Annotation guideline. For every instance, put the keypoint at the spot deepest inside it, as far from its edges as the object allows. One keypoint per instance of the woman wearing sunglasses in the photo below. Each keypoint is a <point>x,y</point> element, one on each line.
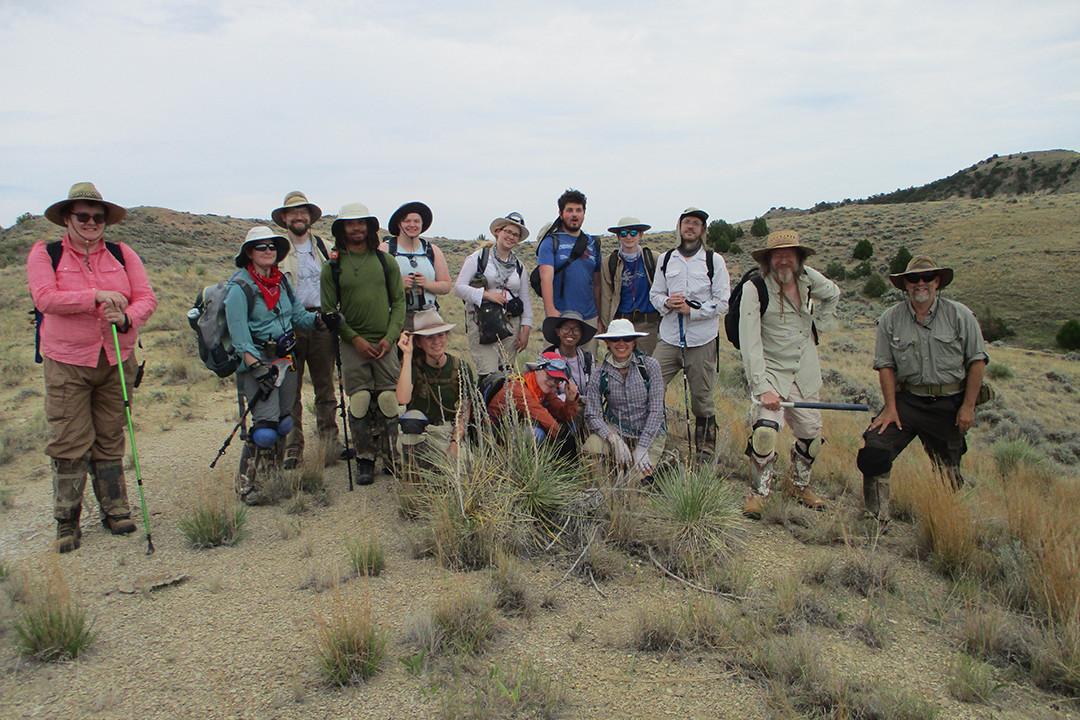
<point>625,278</point>
<point>82,287</point>
<point>261,312</point>
<point>423,267</point>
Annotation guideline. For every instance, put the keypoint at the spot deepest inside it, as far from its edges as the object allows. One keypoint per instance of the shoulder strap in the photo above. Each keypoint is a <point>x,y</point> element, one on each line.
<point>650,263</point>
<point>667,257</point>
<point>55,250</point>
<point>639,361</point>
<point>612,262</point>
<point>237,278</point>
<point>386,274</point>
<point>391,245</point>
<point>762,290</point>
<point>429,250</point>
<point>322,248</point>
<point>482,261</point>
<point>709,264</point>
<point>588,364</point>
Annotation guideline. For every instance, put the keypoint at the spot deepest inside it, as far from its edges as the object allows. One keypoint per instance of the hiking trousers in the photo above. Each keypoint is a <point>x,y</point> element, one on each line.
<point>84,408</point>
<point>700,373</point>
<point>315,351</point>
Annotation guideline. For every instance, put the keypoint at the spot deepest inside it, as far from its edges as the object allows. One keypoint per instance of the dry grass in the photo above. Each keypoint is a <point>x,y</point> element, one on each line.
<point>49,625</point>
<point>792,606</point>
<point>349,644</point>
<point>366,556</point>
<point>215,519</point>
<point>462,623</point>
<point>510,586</point>
<point>971,681</point>
<point>520,692</point>
<point>699,624</point>
<point>945,525</point>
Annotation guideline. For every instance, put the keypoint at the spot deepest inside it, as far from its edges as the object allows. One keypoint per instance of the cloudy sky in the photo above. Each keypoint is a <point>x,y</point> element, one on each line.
<point>479,108</point>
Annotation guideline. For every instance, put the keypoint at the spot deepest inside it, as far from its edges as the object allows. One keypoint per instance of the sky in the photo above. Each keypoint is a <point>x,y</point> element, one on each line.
<point>482,108</point>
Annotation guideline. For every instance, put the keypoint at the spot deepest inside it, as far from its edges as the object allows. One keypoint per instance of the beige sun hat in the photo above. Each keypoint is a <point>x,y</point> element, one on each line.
<point>255,234</point>
<point>629,223</point>
<point>356,211</point>
<point>782,239</point>
<point>921,264</point>
<point>295,199</point>
<point>620,328</point>
<point>514,219</point>
<point>57,212</point>
<point>430,322</point>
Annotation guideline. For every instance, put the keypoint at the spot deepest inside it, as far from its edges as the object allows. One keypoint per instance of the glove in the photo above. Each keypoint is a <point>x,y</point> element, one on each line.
<point>619,450</point>
<point>330,321</point>
<point>266,376</point>
<point>641,460</point>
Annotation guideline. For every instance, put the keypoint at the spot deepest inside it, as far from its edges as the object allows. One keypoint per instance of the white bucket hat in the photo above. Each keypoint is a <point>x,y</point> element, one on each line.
<point>620,328</point>
<point>254,235</point>
<point>356,211</point>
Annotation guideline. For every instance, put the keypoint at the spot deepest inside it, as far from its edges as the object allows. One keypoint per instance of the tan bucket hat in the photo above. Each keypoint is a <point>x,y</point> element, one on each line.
<point>254,235</point>
<point>630,223</point>
<point>782,239</point>
<point>84,191</point>
<point>356,211</point>
<point>430,322</point>
<point>295,199</point>
<point>923,264</point>
<point>514,219</point>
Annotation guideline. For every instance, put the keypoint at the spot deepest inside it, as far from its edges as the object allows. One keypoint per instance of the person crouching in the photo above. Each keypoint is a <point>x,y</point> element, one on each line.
<point>535,396</point>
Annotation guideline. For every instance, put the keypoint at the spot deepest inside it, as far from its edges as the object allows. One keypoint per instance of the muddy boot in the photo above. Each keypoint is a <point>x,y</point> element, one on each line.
<point>69,481</point>
<point>245,475</point>
<point>265,462</point>
<point>876,497</point>
<point>331,446</point>
<point>364,449</point>
<point>705,439</point>
<point>111,491</point>
<point>294,457</point>
<point>68,533</point>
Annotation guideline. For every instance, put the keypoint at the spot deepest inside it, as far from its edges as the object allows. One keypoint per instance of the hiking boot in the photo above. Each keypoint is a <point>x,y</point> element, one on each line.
<point>119,525</point>
<point>68,533</point>
<point>293,457</point>
<point>753,506</point>
<point>365,471</point>
<point>805,497</point>
<point>705,439</point>
<point>111,491</point>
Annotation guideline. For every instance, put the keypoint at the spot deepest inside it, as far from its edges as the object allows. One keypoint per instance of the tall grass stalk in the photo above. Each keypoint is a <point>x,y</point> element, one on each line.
<point>50,626</point>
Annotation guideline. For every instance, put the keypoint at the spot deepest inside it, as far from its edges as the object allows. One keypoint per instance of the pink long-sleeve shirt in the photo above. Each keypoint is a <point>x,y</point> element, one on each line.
<point>75,329</point>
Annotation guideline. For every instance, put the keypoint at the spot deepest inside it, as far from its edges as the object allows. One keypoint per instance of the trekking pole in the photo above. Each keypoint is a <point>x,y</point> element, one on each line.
<point>134,449</point>
<point>685,388</point>
<point>239,424</point>
<point>348,451</point>
<point>814,405</point>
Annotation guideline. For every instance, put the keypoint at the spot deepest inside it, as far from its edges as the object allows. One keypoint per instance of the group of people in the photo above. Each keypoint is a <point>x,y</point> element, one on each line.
<point>369,307</point>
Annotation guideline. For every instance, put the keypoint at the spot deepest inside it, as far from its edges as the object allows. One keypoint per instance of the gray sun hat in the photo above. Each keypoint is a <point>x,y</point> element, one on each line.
<point>295,199</point>
<point>629,223</point>
<point>551,327</point>
<point>356,211</point>
<point>254,235</point>
<point>86,191</point>
<point>782,239</point>
<point>921,264</point>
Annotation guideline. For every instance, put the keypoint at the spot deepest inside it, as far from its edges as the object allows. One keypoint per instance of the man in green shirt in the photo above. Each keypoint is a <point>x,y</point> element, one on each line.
<point>930,358</point>
<point>365,289</point>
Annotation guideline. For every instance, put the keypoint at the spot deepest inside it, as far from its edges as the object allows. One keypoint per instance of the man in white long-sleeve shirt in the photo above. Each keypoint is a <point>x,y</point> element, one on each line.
<point>690,290</point>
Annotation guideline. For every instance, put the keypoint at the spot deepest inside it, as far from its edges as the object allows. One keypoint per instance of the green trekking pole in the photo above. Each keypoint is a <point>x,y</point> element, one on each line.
<point>134,449</point>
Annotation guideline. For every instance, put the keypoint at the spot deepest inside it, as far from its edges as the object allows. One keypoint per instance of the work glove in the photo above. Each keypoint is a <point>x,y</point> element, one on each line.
<point>641,460</point>
<point>266,376</point>
<point>619,450</point>
<point>330,321</point>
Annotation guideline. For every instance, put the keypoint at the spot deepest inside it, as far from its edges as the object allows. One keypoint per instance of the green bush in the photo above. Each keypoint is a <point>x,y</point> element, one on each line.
<point>1068,337</point>
<point>874,287</point>
<point>759,228</point>
<point>863,269</point>
<point>721,235</point>
<point>350,647</point>
<point>835,270</point>
<point>1012,454</point>
<point>999,371</point>
<point>900,260</point>
<point>994,327</point>
<point>213,523</point>
<point>863,250</point>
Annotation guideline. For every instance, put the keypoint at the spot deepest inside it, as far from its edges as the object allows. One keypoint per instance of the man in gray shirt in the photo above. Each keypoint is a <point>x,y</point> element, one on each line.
<point>930,358</point>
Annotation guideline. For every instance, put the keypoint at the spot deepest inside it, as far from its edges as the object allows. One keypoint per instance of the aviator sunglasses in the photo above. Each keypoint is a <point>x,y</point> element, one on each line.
<point>85,217</point>
<point>926,277</point>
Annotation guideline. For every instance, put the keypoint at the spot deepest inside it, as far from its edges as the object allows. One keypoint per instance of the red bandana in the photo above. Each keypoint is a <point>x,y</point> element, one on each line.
<point>270,287</point>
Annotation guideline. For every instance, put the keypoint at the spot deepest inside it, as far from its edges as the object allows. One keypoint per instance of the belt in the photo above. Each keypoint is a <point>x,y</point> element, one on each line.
<point>933,391</point>
<point>638,316</point>
<point>314,309</point>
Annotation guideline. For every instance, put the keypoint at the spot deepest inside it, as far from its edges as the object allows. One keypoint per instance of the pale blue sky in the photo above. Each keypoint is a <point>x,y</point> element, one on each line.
<point>479,108</point>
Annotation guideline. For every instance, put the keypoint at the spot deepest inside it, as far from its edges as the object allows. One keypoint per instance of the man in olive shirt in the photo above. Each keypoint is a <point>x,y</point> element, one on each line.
<point>780,358</point>
<point>930,358</point>
<point>366,291</point>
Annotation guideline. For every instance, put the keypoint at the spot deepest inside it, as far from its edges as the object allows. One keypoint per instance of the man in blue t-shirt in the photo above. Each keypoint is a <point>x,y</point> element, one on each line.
<point>570,280</point>
<point>626,276</point>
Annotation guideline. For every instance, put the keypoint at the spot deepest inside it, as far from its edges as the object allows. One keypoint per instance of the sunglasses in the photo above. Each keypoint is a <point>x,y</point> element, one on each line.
<point>263,247</point>
<point>559,365</point>
<point>85,217</point>
<point>622,340</point>
<point>926,277</point>
<point>628,233</point>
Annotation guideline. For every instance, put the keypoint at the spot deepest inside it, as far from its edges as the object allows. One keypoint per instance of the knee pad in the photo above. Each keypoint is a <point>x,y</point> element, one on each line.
<point>285,425</point>
<point>873,461</point>
<point>762,440</point>
<point>388,404</point>
<point>265,436</point>
<point>539,433</point>
<point>359,404</point>
<point>809,448</point>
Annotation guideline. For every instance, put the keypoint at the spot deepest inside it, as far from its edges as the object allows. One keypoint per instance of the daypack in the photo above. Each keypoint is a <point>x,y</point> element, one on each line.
<point>709,267</point>
<point>731,320</point>
<point>646,255</point>
<point>581,244</point>
<point>207,318</point>
<point>335,275</point>
<point>428,248</point>
<point>490,385</point>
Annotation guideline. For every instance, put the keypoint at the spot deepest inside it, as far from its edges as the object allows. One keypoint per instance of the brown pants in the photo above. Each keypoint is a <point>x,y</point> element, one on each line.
<point>314,349</point>
<point>85,409</point>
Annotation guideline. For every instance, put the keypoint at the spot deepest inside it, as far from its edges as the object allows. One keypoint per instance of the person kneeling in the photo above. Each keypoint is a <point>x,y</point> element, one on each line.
<point>536,396</point>
<point>624,405</point>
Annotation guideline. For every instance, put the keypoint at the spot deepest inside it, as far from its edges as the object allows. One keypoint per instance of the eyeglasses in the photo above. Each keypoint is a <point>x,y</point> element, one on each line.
<point>926,277</point>
<point>628,233</point>
<point>85,217</point>
<point>622,340</point>
<point>558,365</point>
<point>263,247</point>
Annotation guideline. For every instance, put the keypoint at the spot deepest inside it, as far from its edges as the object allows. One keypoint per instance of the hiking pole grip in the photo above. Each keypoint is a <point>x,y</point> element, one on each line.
<point>131,436</point>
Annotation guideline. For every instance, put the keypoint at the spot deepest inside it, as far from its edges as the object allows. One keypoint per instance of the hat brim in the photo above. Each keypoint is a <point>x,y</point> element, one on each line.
<point>557,374</point>
<point>371,220</point>
<point>761,253</point>
<point>113,213</point>
<point>550,329</point>
<point>435,330</point>
<point>499,223</point>
<point>394,226</point>
<point>278,213</point>
<point>615,229</point>
<point>282,245</point>
<point>619,336</point>
<point>945,276</point>
<point>699,214</point>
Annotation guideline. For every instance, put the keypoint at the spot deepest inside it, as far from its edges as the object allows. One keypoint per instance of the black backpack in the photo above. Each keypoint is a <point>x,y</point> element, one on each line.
<point>482,261</point>
<point>731,320</point>
<point>428,248</point>
<point>581,244</point>
<point>646,255</point>
<point>709,263</point>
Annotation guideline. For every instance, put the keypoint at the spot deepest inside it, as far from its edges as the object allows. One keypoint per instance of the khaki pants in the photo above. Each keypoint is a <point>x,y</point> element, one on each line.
<point>374,376</point>
<point>804,422</point>
<point>700,373</point>
<point>489,358</point>
<point>84,408</point>
<point>315,350</point>
<point>597,446</point>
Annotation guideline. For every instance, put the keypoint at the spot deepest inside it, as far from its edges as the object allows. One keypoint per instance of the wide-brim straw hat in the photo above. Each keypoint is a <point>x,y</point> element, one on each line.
<point>356,211</point>
<point>254,235</point>
<point>57,212</point>
<point>921,264</point>
<point>551,327</point>
<point>429,322</point>
<point>514,219</point>
<point>629,223</point>
<point>782,239</point>
<point>694,212</point>
<point>394,226</point>
<point>620,328</point>
<point>295,199</point>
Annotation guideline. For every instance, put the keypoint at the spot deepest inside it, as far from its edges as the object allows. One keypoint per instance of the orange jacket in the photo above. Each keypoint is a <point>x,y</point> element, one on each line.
<point>545,410</point>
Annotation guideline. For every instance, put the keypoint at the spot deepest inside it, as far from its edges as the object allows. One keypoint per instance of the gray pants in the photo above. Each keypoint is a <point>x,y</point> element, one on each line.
<point>315,350</point>
<point>270,409</point>
<point>700,373</point>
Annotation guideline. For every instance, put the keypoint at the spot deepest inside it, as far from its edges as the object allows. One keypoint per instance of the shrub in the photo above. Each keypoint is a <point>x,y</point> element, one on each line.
<point>520,692</point>
<point>1011,454</point>
<point>972,681</point>
<point>994,327</point>
<point>217,519</point>
<point>24,218</point>
<point>793,606</point>
<point>701,624</point>
<point>835,270</point>
<point>863,269</point>
<point>51,627</point>
<point>511,588</point>
<point>350,646</point>
<point>366,557</point>
<point>999,371</point>
<point>899,261</point>
<point>1068,337</point>
<point>462,623</point>
<point>759,228</point>
<point>721,235</point>
<point>874,286</point>
<point>863,250</point>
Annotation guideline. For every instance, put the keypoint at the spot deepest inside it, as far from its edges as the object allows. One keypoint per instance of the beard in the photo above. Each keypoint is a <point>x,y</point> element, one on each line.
<point>785,275</point>
<point>920,295</point>
<point>299,227</point>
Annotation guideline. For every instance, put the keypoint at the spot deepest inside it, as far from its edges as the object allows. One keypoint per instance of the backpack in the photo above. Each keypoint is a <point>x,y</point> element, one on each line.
<point>708,263</point>
<point>490,385</point>
<point>428,248</point>
<point>207,318</point>
<point>55,250</point>
<point>335,275</point>
<point>646,255</point>
<point>731,320</point>
<point>581,244</point>
<point>639,363</point>
<point>482,261</point>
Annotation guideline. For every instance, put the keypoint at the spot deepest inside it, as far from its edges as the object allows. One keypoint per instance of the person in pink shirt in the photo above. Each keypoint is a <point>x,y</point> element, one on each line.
<point>82,285</point>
